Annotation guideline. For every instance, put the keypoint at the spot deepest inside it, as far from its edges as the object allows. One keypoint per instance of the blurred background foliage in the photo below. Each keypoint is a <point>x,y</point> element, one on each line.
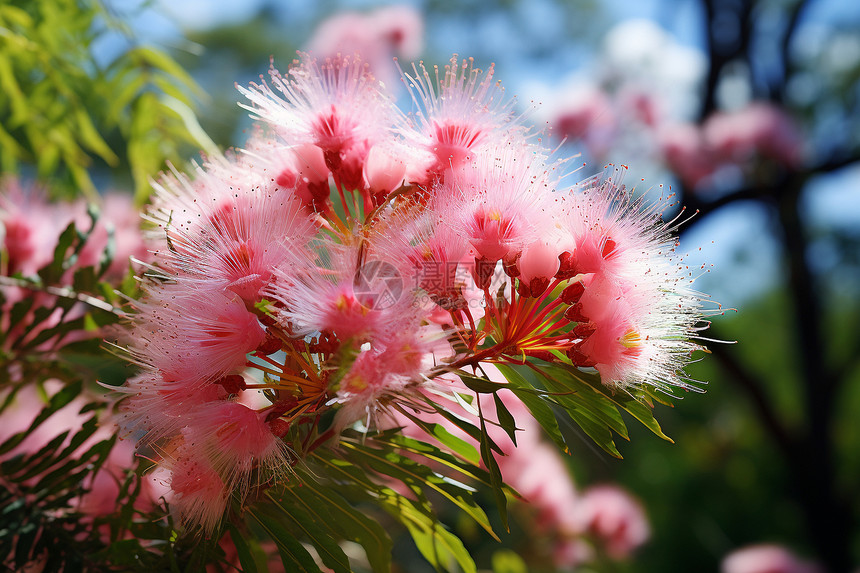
<point>771,453</point>
<point>71,110</point>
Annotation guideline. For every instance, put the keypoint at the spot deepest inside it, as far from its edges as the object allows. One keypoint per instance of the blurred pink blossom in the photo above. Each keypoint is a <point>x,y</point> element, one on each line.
<point>761,129</point>
<point>378,36</point>
<point>585,115</point>
<point>686,153</point>
<point>32,226</point>
<point>614,519</point>
<point>766,559</point>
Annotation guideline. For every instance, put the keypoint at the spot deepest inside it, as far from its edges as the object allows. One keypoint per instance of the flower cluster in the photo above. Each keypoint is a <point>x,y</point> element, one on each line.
<point>352,260</point>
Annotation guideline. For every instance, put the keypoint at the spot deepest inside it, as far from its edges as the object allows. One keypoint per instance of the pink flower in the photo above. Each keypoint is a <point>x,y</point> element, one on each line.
<point>633,302</point>
<point>456,115</point>
<point>336,106</point>
<point>235,440</point>
<point>355,296</point>
<point>499,202</point>
<point>229,240</point>
<point>192,335</point>
<point>377,36</point>
<point>364,387</point>
<point>198,494</point>
<point>687,153</point>
<point>766,559</point>
<point>613,519</point>
<point>159,405</point>
<point>426,252</point>
<point>760,128</point>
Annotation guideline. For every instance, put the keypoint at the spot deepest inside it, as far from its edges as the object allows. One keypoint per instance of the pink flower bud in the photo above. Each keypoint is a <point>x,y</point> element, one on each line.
<point>539,260</point>
<point>382,171</point>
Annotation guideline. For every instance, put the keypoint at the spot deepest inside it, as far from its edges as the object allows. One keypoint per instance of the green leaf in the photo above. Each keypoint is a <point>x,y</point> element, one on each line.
<point>438,545</point>
<point>160,60</point>
<point>314,528</point>
<point>294,556</point>
<point>466,426</point>
<point>52,272</point>
<point>345,519</point>
<point>246,559</point>
<point>495,473</point>
<point>460,447</point>
<point>479,384</point>
<point>415,475</point>
<point>19,311</point>
<point>505,419</point>
<point>506,561</point>
<point>90,137</point>
<point>473,472</point>
<point>537,405</point>
<point>636,406</point>
<point>592,411</point>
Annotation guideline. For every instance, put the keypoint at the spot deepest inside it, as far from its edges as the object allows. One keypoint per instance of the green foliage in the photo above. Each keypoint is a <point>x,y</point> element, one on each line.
<point>67,113</point>
<point>53,325</point>
<point>595,408</point>
<point>40,491</point>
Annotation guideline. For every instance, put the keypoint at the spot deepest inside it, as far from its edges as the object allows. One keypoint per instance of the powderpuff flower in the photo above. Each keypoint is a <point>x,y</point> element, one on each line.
<point>766,559</point>
<point>198,495</point>
<point>362,391</point>
<point>614,519</point>
<point>336,106</point>
<point>634,294</point>
<point>226,229</point>
<point>234,439</point>
<point>300,169</point>
<point>192,336</point>
<point>159,406</point>
<point>425,250</point>
<point>378,36</point>
<point>613,340</point>
<point>498,203</point>
<point>457,114</point>
<point>355,297</point>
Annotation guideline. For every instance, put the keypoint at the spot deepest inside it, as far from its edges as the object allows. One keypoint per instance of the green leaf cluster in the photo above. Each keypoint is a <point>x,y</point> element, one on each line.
<point>66,112</point>
<point>581,397</point>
